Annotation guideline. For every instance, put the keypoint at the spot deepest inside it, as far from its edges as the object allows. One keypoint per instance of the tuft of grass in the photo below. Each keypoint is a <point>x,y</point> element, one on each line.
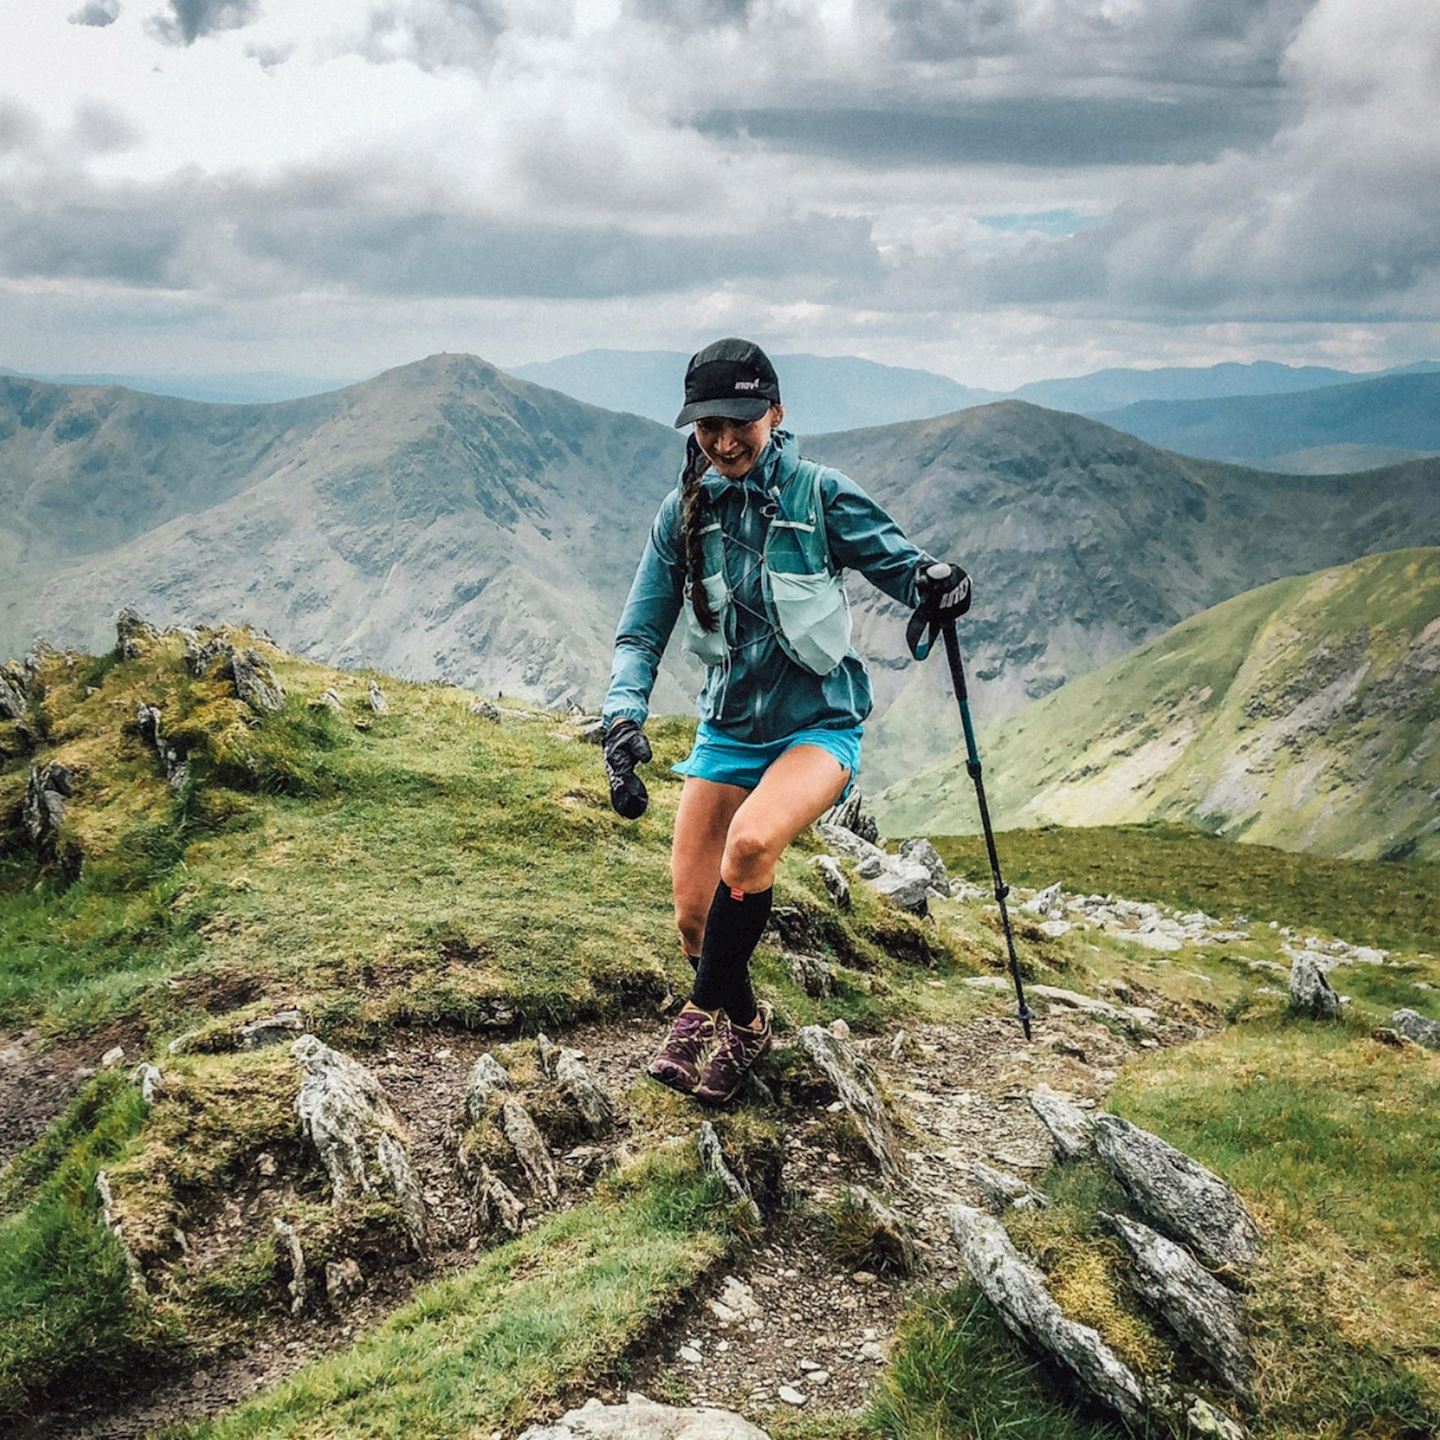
<point>72,1318</point>
<point>1367,902</point>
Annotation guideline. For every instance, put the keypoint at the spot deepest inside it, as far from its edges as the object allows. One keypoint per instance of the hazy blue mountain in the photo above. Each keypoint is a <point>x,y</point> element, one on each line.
<point>1105,391</point>
<point>1398,412</point>
<point>822,392</point>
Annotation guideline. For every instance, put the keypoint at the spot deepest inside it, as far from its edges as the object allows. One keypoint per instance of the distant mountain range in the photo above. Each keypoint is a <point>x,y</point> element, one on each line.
<point>1373,421</point>
<point>256,387</point>
<point>1304,714</point>
<point>448,520</point>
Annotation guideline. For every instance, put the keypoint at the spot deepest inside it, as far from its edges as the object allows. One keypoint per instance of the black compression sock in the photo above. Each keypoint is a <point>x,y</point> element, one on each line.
<point>732,931</point>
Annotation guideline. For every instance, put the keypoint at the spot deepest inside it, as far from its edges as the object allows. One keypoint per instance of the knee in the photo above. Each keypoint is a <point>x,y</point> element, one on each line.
<point>747,848</point>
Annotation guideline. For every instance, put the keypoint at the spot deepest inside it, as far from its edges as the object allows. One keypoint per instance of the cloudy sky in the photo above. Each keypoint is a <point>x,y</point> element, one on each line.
<point>1001,190</point>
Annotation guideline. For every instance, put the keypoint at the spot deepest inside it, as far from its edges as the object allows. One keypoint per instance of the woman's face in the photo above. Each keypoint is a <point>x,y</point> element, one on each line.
<point>733,446</point>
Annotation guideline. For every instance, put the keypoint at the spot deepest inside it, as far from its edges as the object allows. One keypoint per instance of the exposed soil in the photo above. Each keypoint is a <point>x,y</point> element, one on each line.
<point>823,1328</point>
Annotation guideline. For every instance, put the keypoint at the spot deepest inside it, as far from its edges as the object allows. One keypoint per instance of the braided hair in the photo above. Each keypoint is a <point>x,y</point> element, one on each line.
<point>692,503</point>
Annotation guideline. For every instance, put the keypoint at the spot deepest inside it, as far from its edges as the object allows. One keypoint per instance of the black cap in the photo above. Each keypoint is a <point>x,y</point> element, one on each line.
<point>731,379</point>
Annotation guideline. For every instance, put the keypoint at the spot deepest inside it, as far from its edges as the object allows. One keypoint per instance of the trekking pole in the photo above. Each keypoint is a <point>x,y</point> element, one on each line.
<point>920,644</point>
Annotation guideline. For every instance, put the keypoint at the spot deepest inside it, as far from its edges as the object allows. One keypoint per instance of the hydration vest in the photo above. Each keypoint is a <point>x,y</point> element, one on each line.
<point>803,594</point>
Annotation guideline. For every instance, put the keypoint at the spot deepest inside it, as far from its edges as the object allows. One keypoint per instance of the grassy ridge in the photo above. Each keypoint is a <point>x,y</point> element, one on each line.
<point>1365,902</point>
<point>1299,714</point>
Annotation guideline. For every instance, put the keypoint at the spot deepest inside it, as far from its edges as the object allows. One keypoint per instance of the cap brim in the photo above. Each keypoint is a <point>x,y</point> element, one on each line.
<point>740,408</point>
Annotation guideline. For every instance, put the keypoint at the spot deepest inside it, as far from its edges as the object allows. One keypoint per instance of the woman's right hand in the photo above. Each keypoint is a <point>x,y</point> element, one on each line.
<point>625,747</point>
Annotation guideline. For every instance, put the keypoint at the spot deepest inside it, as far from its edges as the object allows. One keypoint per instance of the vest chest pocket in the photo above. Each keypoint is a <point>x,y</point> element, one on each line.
<point>709,645</point>
<point>814,617</point>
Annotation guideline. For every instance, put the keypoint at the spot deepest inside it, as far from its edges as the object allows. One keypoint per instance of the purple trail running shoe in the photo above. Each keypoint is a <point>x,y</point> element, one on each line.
<point>677,1063</point>
<point>724,1072</point>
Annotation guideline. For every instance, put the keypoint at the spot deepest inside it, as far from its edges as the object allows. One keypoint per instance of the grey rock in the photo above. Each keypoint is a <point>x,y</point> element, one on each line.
<point>1137,1015</point>
<point>870,867</point>
<point>580,1088</point>
<point>484,710</point>
<point>811,974</point>
<point>891,1244</point>
<point>1178,1194</point>
<point>500,1208</point>
<point>1018,1291</point>
<point>845,841</point>
<point>712,1160</point>
<point>1204,1422</point>
<point>1311,993</point>
<point>642,1419</point>
<point>48,789</point>
<point>530,1149</point>
<point>922,852</point>
<point>591,730</point>
<point>13,692</point>
<point>133,636</point>
<point>271,1030</point>
<point>376,698</point>
<point>851,816</point>
<point>906,883</point>
<point>487,1081</point>
<point>299,1286</point>
<point>1044,901</point>
<point>1071,1129</point>
<point>150,1081</point>
<point>848,1075</point>
<point>1054,929</point>
<point>1414,1026</point>
<point>105,1198</point>
<point>255,681</point>
<point>327,700</point>
<point>834,878</point>
<point>343,1281</point>
<point>203,654</point>
<point>1206,1316</point>
<point>546,1052</point>
<point>1004,1191</point>
<point>345,1115</point>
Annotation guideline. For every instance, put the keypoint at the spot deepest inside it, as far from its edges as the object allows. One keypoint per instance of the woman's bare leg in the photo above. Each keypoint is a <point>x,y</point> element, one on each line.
<point>794,792</point>
<point>701,824</point>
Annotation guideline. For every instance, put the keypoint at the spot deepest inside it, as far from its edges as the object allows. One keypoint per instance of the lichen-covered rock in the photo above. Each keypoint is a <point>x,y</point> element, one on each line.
<point>889,1243</point>
<point>811,974</point>
<point>1311,993</point>
<point>327,700</point>
<point>270,1030</point>
<point>203,654</point>
<point>499,1207</point>
<point>919,850</point>
<point>846,1073</point>
<point>1018,1291</point>
<point>299,1286</point>
<point>1414,1026</point>
<point>484,710</point>
<point>530,1149</point>
<point>1207,1317</point>
<point>1004,1191</point>
<point>580,1088</point>
<point>1177,1193</point>
<point>712,1161</point>
<point>345,1115</point>
<point>850,815</point>
<point>343,1281</point>
<point>13,692</point>
<point>642,1419</point>
<point>834,878</point>
<point>49,788</point>
<point>255,681</point>
<point>1071,1129</point>
<point>376,697</point>
<point>1044,902</point>
<point>133,636</point>
<point>488,1080</point>
<point>150,1081</point>
<point>906,883</point>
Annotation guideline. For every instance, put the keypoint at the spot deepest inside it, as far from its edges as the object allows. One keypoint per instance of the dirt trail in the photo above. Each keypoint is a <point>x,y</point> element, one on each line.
<point>821,1329</point>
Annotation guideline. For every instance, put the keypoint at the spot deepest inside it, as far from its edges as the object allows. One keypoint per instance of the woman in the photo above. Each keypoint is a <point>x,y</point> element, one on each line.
<point>751,543</point>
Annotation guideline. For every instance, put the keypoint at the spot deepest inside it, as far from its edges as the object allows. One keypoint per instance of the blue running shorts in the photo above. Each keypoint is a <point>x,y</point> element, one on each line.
<point>717,757</point>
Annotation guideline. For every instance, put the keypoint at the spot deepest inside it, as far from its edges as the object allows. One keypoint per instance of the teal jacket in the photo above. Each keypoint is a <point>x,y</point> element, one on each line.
<point>759,694</point>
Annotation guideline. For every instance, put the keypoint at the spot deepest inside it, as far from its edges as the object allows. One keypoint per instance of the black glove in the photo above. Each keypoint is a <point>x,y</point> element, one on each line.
<point>943,592</point>
<point>625,748</point>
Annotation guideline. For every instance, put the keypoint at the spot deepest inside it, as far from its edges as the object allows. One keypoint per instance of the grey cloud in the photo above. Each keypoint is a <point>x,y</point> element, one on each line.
<point>434,34</point>
<point>102,129</point>
<point>321,228</point>
<point>97,12</point>
<point>190,19</point>
<point>267,57</point>
<point>692,14</point>
<point>19,126</point>
<point>1014,130</point>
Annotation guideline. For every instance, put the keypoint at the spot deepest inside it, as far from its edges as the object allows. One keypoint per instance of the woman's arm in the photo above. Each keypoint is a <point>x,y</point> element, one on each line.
<point>656,595</point>
<point>863,537</point>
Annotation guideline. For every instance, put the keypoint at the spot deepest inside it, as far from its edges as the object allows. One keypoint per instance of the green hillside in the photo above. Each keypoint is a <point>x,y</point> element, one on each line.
<point>1305,714</point>
<point>427,880</point>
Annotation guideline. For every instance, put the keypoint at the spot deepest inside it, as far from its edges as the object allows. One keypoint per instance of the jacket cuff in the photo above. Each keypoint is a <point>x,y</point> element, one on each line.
<point>609,718</point>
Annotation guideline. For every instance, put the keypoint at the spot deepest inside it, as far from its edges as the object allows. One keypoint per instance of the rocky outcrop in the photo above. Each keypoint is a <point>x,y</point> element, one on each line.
<point>1004,1191</point>
<point>642,1419</point>
<point>255,681</point>
<point>49,788</point>
<point>14,699</point>
<point>1178,1194</point>
<point>133,635</point>
<point>906,882</point>
<point>530,1149</point>
<point>375,697</point>
<point>289,1242</point>
<point>850,815</point>
<point>1414,1026</point>
<point>834,878</point>
<point>847,1075</point>
<point>1071,1129</point>
<point>920,851</point>
<point>1204,1315</point>
<point>714,1164</point>
<point>345,1116</point>
<point>1018,1291</point>
<point>270,1030</point>
<point>1311,994</point>
<point>1133,1015</point>
<point>487,1082</point>
<point>888,1242</point>
<point>148,721</point>
<point>811,974</point>
<point>580,1088</point>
